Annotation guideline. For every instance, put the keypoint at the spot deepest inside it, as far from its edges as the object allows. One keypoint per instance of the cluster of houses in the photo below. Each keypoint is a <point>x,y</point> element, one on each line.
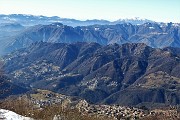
<point>49,99</point>
<point>113,111</point>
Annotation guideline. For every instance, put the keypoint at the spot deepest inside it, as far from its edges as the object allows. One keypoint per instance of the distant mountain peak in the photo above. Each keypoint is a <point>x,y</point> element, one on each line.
<point>134,21</point>
<point>29,20</point>
<point>133,18</point>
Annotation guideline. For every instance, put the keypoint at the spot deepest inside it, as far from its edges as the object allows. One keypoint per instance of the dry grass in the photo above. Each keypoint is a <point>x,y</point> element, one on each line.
<point>25,108</point>
<point>163,115</point>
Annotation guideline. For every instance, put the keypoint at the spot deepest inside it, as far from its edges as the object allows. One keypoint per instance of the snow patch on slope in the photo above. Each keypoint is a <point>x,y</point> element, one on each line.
<point>9,115</point>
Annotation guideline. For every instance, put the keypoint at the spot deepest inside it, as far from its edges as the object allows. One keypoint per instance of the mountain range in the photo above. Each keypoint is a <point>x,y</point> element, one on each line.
<point>130,62</point>
<point>31,20</point>
<point>156,35</point>
<point>128,74</point>
<point>11,26</point>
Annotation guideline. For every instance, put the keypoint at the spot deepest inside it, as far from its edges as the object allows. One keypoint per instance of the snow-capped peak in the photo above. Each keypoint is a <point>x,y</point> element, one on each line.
<point>134,18</point>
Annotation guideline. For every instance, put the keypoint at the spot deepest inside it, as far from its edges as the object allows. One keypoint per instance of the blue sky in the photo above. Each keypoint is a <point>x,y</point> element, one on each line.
<point>158,10</point>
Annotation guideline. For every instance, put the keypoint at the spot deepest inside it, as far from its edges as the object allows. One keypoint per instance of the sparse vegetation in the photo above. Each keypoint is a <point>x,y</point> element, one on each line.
<point>26,108</point>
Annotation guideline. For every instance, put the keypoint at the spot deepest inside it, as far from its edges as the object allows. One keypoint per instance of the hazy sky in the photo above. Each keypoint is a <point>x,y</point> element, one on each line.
<point>158,10</point>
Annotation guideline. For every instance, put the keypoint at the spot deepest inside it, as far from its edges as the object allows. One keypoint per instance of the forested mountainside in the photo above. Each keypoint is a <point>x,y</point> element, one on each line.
<point>127,74</point>
<point>7,88</point>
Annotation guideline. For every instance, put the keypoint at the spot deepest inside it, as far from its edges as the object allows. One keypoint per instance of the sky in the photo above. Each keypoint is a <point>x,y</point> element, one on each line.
<point>157,10</point>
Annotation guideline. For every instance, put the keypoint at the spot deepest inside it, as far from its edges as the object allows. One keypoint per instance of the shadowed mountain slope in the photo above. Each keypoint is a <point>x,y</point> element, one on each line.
<point>127,74</point>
